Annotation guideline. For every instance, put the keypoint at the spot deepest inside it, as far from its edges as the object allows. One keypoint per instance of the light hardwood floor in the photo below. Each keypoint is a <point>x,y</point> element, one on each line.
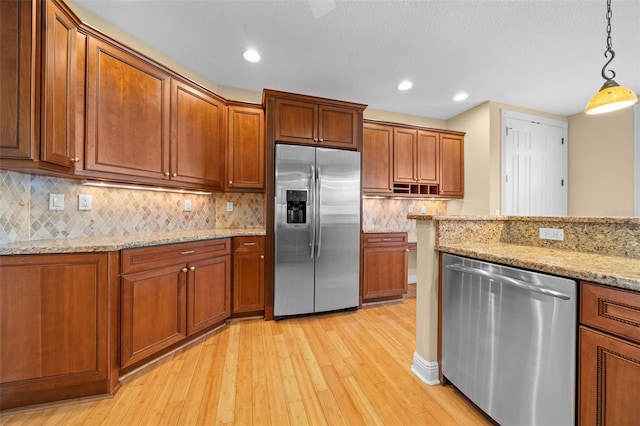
<point>345,368</point>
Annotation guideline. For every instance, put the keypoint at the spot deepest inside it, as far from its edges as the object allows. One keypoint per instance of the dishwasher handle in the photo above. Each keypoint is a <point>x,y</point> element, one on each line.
<point>509,281</point>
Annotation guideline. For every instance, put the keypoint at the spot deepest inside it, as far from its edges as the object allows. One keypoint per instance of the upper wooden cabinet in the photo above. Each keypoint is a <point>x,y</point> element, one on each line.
<point>127,115</point>
<point>143,126</point>
<point>37,122</point>
<point>198,136</point>
<point>451,165</point>
<point>245,147</point>
<point>423,162</point>
<point>306,120</point>
<point>377,159</point>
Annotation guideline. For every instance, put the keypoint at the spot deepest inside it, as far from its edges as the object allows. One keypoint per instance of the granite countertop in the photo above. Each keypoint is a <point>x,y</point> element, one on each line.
<point>119,242</point>
<point>615,271</point>
<point>561,219</point>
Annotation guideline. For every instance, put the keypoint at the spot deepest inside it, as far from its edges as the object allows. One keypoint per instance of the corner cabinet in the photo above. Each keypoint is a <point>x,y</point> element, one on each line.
<point>59,316</point>
<point>170,292</point>
<point>305,120</point>
<point>245,147</point>
<point>384,266</point>
<point>609,365</point>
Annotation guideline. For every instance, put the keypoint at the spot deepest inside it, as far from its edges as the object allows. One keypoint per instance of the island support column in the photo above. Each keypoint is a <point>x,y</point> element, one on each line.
<point>425,358</point>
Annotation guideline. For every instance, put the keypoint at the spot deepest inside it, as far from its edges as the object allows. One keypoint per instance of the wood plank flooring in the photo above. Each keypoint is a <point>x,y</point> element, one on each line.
<point>337,369</point>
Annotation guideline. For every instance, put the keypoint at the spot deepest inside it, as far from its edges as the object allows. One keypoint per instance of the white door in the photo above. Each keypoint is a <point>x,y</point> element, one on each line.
<point>534,165</point>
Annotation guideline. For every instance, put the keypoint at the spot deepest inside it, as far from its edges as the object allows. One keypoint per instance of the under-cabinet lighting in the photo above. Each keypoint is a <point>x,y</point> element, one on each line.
<point>141,187</point>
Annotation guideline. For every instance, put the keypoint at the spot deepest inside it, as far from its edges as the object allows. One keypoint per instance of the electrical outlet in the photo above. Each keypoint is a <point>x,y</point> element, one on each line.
<point>410,208</point>
<point>187,205</point>
<point>56,201</point>
<point>229,206</point>
<point>556,234</point>
<point>423,209</point>
<point>84,202</point>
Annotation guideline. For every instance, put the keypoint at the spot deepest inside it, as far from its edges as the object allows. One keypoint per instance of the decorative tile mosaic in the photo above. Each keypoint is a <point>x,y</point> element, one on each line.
<point>115,211</point>
<point>390,214</point>
<point>14,206</point>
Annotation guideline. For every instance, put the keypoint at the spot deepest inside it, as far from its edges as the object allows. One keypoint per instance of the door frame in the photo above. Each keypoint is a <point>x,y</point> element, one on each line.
<point>506,114</point>
<point>636,155</point>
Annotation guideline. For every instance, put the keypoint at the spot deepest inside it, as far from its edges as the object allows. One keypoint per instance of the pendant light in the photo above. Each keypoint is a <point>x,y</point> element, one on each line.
<point>611,96</point>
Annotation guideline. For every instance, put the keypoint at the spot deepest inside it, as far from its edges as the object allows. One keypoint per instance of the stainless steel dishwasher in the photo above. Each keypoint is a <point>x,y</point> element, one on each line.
<point>509,341</point>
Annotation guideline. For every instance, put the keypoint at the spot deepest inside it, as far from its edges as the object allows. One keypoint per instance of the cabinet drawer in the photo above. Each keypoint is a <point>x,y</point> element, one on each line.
<point>384,239</point>
<point>145,258</point>
<point>248,244</point>
<point>613,310</point>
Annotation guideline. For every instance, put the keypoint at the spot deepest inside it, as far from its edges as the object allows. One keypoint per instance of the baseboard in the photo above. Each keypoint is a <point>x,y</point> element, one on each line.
<point>426,371</point>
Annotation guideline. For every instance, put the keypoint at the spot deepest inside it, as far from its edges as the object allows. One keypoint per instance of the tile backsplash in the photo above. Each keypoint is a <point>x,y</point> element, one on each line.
<point>390,214</point>
<point>25,214</point>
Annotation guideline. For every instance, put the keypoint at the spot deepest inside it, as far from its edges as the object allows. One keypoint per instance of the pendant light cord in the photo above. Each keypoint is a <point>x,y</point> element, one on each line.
<point>608,51</point>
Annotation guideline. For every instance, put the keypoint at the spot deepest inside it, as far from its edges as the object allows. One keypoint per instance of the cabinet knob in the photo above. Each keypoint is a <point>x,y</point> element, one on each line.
<point>321,140</point>
<point>174,174</point>
<point>192,268</point>
<point>262,256</point>
<point>184,269</point>
<point>166,173</point>
<point>75,159</point>
<point>230,182</point>
<point>315,139</point>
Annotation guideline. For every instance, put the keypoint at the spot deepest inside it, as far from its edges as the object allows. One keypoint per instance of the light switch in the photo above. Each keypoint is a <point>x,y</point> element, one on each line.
<point>56,201</point>
<point>229,206</point>
<point>187,205</point>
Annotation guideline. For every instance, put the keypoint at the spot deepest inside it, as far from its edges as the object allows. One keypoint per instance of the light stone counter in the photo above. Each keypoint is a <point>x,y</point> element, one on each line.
<point>119,242</point>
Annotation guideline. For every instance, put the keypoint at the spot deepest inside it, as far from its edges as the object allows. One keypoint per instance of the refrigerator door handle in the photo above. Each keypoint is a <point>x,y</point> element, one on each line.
<point>318,218</point>
<point>312,225</point>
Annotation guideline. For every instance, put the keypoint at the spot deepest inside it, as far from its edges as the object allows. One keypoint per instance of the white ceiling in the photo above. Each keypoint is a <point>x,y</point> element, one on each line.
<point>543,55</point>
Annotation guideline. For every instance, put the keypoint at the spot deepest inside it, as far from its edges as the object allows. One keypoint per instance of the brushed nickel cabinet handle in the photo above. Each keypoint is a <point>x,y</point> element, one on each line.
<point>248,244</point>
<point>187,252</point>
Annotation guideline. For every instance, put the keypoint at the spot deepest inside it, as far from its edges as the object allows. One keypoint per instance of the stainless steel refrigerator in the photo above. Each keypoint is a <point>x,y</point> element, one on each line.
<point>317,230</point>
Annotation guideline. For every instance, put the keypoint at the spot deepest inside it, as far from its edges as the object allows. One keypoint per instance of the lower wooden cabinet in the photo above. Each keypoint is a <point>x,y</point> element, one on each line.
<point>609,372</point>
<point>170,292</point>
<point>58,327</point>
<point>248,275</point>
<point>384,265</point>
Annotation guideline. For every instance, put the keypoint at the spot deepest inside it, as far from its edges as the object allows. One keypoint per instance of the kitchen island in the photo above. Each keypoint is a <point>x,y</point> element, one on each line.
<point>601,253</point>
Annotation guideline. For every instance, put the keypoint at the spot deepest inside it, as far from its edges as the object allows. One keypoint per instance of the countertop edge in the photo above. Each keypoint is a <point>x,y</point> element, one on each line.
<point>121,242</point>
<point>563,219</point>
<point>554,263</point>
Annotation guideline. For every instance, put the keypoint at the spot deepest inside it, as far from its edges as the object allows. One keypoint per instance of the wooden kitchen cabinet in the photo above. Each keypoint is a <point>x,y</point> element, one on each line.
<point>39,98</point>
<point>245,148</point>
<point>609,365</point>
<point>248,275</point>
<point>127,116</point>
<point>199,136</point>
<point>416,156</point>
<point>377,159</point>
<point>306,120</point>
<point>384,266</point>
<point>170,292</point>
<point>58,333</point>
<point>451,165</point>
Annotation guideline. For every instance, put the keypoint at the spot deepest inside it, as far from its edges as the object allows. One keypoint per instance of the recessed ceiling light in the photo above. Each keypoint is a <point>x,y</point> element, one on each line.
<point>251,55</point>
<point>460,97</point>
<point>405,85</point>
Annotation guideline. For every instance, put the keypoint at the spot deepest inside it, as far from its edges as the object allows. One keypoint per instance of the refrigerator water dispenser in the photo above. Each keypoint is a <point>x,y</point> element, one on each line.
<point>296,206</point>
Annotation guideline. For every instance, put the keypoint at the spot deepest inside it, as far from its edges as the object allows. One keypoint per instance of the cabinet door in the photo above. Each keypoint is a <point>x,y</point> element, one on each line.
<point>609,380</point>
<point>296,122</point>
<point>377,159</point>
<point>404,155</point>
<point>248,282</point>
<point>54,333</point>
<point>451,165</point>
<point>246,149</point>
<point>153,311</point>
<point>58,90</point>
<point>428,153</point>
<point>127,114</point>
<point>337,127</point>
<point>209,293</point>
<point>18,69</point>
<point>385,272</point>
<point>199,136</point>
